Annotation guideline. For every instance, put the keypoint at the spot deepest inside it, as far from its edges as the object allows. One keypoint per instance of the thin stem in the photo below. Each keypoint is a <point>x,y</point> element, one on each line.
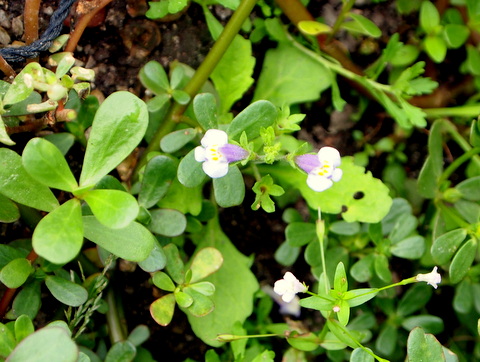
<point>455,164</point>
<point>202,74</point>
<point>338,22</point>
<point>30,20</point>
<point>320,228</point>
<point>82,24</point>
<point>115,326</point>
<point>6,68</point>
<point>469,110</point>
<point>459,139</point>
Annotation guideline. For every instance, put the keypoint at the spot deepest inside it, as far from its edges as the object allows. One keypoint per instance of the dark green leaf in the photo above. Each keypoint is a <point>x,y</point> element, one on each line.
<point>229,190</point>
<point>167,222</point>
<point>205,109</point>
<point>66,291</point>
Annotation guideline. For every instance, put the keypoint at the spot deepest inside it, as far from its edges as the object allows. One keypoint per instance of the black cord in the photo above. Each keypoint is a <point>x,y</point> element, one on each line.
<point>33,50</point>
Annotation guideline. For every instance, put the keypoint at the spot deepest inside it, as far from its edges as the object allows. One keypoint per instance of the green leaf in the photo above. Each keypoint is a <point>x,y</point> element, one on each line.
<point>436,48</point>
<point>63,141</point>
<point>205,109</point>
<point>157,178</point>
<point>156,260</point>
<point>28,300</point>
<point>123,351</point>
<point>113,208</point>
<point>180,96</point>
<point>58,237</point>
<point>462,261</point>
<point>414,299</point>
<point>423,347</point>
<point>174,141</point>
<point>175,265</point>
<point>183,299</point>
<point>206,261</point>
<point>429,323</point>
<point>470,188</point>
<point>119,126</point>
<point>286,254</point>
<point>162,309</point>
<point>361,25</point>
<point>311,27</point>
<point>19,186</point>
<point>381,268</point>
<point>230,307</point>
<point>133,242</point>
<point>8,210</point>
<point>409,248</point>
<point>456,35</point>
<point>201,306</point>
<point>184,199</point>
<point>139,335</point>
<point>345,228</point>
<point>22,85</point>
<point>46,164</point>
<point>429,17</point>
<point>66,291</point>
<point>433,166</point>
<point>342,333</point>
<point>4,137</point>
<point>300,233</point>
<point>46,344</point>
<point>263,190</point>
<point>290,76</point>
<point>257,115</point>
<point>15,273</point>
<point>190,172</point>
<point>7,341</point>
<point>362,270</point>
<point>387,339</point>
<point>163,281</point>
<point>154,77</point>
<point>23,327</point>
<point>232,76</point>
<point>229,190</point>
<point>359,355</point>
<point>446,245</point>
<point>303,342</point>
<point>357,297</point>
<point>167,222</point>
<point>324,304</point>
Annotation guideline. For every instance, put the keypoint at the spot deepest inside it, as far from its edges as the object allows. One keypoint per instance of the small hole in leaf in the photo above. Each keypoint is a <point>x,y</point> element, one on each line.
<point>344,208</point>
<point>358,195</point>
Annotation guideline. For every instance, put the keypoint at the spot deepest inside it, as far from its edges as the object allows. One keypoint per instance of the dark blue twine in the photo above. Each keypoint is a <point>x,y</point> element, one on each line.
<point>18,54</point>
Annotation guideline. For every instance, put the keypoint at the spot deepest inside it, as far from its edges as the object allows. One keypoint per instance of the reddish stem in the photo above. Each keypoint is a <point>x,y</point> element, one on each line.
<point>30,20</point>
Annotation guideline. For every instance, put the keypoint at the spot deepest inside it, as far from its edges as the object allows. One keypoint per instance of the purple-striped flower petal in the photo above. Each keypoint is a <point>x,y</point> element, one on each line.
<point>321,168</point>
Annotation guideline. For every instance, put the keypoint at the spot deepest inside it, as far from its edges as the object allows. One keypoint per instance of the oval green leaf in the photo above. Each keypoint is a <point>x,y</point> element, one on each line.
<point>66,291</point>
<point>8,210</point>
<point>190,172</point>
<point>15,273</point>
<point>174,141</point>
<point>446,245</point>
<point>167,222</point>
<point>113,208</point>
<point>257,115</point>
<point>462,261</point>
<point>157,178</point>
<point>205,109</point>
<point>19,186</point>
<point>162,309</point>
<point>46,164</point>
<point>163,281</point>
<point>133,242</point>
<point>207,261</point>
<point>118,127</point>
<point>58,237</point>
<point>229,190</point>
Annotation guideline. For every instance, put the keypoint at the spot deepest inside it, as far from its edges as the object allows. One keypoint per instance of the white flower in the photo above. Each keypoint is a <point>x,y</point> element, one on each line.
<point>433,278</point>
<point>321,168</point>
<point>292,308</point>
<point>288,287</point>
<point>216,153</point>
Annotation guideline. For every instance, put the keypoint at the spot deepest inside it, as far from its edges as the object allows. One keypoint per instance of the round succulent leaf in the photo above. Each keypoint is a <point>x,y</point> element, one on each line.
<point>133,242</point>
<point>175,140</point>
<point>46,164</point>
<point>66,291</point>
<point>163,281</point>
<point>205,262</point>
<point>436,48</point>
<point>19,186</point>
<point>158,102</point>
<point>23,327</point>
<point>139,335</point>
<point>8,210</point>
<point>430,323</point>
<point>412,247</point>
<point>229,190</point>
<point>15,273</point>
<point>201,306</point>
<point>162,309</point>
<point>462,261</point>
<point>58,237</point>
<point>156,260</point>
<point>34,347</point>
<point>22,85</point>
<point>184,300</point>
<point>167,222</point>
<point>206,288</point>
<point>118,127</point>
<point>429,17</point>
<point>175,266</point>
<point>257,115</point>
<point>157,178</point>
<point>190,172</point>
<point>456,35</point>
<point>446,245</point>
<point>113,208</point>
<point>181,97</point>
<point>205,109</point>
<point>154,77</point>
<point>121,351</point>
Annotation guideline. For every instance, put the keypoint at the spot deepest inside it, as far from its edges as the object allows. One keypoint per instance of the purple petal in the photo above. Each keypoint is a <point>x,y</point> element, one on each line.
<point>233,153</point>
<point>308,162</point>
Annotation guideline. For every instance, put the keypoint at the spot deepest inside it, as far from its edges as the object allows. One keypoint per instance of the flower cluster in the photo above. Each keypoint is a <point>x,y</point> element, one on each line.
<point>321,168</point>
<point>216,153</point>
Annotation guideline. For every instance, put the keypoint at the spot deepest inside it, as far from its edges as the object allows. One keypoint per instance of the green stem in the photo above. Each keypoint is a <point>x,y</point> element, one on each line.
<point>470,110</point>
<point>202,74</point>
<point>115,327</point>
<point>320,228</point>
<point>338,22</point>
<point>459,139</point>
<point>455,164</point>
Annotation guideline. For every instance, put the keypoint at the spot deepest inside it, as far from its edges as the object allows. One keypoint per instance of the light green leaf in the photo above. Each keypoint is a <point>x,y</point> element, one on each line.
<point>446,245</point>
<point>429,17</point>
<point>22,85</point>
<point>436,48</point>
<point>113,208</point>
<point>23,327</point>
<point>206,261</point>
<point>154,77</point>
<point>361,25</point>
<point>456,35</point>
<point>66,291</point>
<point>174,141</point>
<point>8,210</point>
<point>184,199</point>
<point>123,351</point>
<point>190,172</point>
<point>423,347</point>
<point>118,127</point>
<point>205,109</point>
<point>229,190</point>
<point>409,248</point>
<point>163,281</point>
<point>201,306</point>
<point>46,344</point>
<point>167,222</point>
<point>46,164</point>
<point>235,286</point>
<point>19,186</point>
<point>133,242</point>
<point>433,166</point>
<point>58,237</point>
<point>257,115</point>
<point>290,76</point>
<point>4,137</point>
<point>162,309</point>
<point>156,260</point>
<point>15,273</point>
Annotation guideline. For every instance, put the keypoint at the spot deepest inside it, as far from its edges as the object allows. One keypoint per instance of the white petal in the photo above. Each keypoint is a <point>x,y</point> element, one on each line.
<point>337,175</point>
<point>215,169</point>
<point>200,154</point>
<point>329,154</point>
<point>318,183</point>
<point>290,277</point>
<point>288,297</point>
<point>214,137</point>
<point>280,287</point>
